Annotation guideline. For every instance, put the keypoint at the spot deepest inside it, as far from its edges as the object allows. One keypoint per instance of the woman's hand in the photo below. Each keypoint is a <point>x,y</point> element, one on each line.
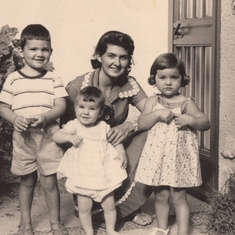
<point>118,133</point>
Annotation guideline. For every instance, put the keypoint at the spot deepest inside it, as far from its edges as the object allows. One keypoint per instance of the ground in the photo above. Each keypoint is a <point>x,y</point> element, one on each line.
<point>10,214</point>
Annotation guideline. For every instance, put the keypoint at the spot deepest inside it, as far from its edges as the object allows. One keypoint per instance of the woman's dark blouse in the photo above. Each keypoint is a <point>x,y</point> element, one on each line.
<point>126,91</point>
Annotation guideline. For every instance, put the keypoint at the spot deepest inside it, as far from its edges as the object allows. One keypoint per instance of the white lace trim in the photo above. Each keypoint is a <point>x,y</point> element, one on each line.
<point>85,83</point>
<point>125,94</point>
<point>126,195</point>
<point>135,89</point>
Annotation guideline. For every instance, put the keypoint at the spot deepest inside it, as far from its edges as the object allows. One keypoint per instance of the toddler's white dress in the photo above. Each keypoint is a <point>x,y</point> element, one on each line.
<point>93,165</point>
<point>170,156</point>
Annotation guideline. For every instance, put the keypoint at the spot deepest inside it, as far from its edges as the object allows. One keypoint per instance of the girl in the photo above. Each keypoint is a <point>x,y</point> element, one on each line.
<point>169,161</point>
<point>93,167</point>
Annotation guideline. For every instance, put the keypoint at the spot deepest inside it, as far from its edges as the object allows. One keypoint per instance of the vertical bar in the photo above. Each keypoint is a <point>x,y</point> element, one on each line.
<point>204,8</point>
<point>196,75</point>
<point>183,7</point>
<point>172,13</point>
<point>209,7</point>
<point>192,75</point>
<point>199,8</point>
<point>176,9</point>
<point>183,56</point>
<point>192,72</point>
<point>202,91</point>
<point>207,93</point>
<point>194,9</point>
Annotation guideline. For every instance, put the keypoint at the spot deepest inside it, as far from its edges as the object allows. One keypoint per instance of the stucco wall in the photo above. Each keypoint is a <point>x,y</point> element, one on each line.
<point>227,94</point>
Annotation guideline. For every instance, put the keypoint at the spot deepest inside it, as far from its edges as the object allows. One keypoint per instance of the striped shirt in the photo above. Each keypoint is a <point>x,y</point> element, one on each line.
<point>29,96</point>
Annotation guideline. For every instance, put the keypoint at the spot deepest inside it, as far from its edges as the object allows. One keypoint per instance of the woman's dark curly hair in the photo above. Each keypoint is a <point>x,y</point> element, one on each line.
<point>168,61</point>
<point>114,38</point>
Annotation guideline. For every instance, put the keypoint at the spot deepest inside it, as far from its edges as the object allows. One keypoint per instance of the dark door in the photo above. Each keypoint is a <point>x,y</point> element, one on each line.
<point>193,36</point>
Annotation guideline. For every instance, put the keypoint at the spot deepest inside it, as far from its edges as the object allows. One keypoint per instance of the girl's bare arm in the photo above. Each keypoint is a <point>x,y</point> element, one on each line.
<point>195,118</point>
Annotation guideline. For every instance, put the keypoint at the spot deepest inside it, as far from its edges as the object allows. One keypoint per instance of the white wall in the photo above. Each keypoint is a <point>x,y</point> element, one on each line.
<point>76,26</point>
<point>227,94</point>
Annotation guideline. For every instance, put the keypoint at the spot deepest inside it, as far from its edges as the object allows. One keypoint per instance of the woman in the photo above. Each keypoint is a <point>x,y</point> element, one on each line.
<point>112,64</point>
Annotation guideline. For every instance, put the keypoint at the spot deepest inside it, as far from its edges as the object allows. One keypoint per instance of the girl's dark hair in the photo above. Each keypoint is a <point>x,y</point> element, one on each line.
<point>91,94</point>
<point>34,31</point>
<point>168,61</point>
<point>114,38</point>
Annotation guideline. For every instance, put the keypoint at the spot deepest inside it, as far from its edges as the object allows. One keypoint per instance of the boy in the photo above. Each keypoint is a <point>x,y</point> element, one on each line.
<point>32,99</point>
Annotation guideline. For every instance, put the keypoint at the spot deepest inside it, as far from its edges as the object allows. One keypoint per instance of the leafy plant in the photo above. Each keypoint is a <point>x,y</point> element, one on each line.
<point>10,61</point>
<point>222,209</point>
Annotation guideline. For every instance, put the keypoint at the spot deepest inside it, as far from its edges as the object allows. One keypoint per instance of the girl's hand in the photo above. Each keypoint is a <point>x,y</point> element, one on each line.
<point>122,157</point>
<point>166,115</point>
<point>182,120</point>
<point>118,133</point>
<point>20,123</point>
<point>76,140</point>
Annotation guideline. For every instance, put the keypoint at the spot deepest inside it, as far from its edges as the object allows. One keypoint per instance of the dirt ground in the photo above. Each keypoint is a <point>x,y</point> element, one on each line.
<point>10,214</point>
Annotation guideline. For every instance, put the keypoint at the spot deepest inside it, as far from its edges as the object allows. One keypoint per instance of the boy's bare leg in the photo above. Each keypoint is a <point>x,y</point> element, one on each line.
<point>84,207</point>
<point>27,185</point>
<point>52,196</point>
<point>110,213</point>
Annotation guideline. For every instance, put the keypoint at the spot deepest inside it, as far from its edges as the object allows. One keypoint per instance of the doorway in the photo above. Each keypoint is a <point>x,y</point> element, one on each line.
<point>194,36</point>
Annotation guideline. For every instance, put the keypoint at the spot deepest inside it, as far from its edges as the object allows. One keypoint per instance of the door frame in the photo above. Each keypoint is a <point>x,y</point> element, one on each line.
<point>215,100</point>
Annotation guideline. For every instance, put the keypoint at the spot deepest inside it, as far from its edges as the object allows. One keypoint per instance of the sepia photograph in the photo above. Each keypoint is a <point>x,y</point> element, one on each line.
<point>117,117</point>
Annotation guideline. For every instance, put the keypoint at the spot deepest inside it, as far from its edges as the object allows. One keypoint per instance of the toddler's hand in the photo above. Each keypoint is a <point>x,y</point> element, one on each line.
<point>20,123</point>
<point>182,120</point>
<point>166,115</point>
<point>123,159</point>
<point>75,140</point>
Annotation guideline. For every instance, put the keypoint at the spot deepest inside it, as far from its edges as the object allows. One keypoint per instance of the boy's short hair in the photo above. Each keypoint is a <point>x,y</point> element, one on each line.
<point>34,31</point>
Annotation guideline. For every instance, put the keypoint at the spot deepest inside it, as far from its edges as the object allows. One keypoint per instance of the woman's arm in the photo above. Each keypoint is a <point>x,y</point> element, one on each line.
<point>118,133</point>
<point>140,105</point>
<point>195,118</point>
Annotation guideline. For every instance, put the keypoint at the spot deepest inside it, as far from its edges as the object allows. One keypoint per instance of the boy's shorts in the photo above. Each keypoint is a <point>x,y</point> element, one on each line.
<point>33,150</point>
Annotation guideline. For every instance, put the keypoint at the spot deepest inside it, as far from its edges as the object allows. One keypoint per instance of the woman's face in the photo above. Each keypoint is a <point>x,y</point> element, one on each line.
<point>115,61</point>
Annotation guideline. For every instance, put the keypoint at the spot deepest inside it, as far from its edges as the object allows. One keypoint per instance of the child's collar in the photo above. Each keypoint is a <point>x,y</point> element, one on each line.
<point>37,76</point>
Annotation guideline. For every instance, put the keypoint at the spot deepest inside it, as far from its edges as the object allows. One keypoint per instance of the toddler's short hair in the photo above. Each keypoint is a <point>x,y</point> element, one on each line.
<point>91,94</point>
<point>34,31</point>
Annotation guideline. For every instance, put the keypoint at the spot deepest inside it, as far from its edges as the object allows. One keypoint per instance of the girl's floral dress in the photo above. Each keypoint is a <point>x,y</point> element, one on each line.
<point>170,156</point>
